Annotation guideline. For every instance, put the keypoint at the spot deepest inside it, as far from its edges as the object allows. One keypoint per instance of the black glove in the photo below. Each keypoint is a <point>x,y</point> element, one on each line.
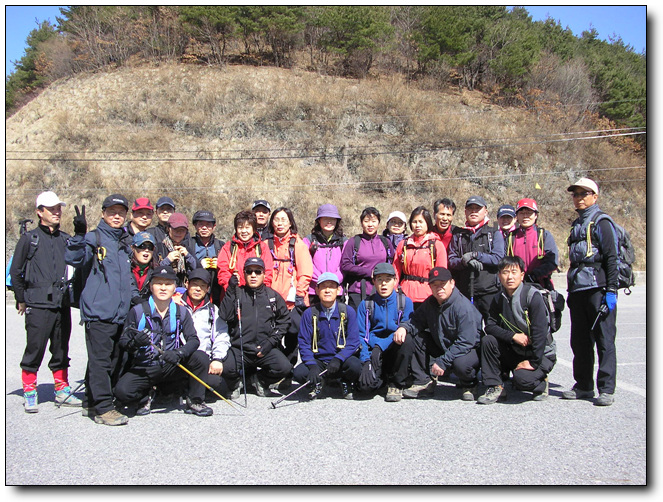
<point>334,366</point>
<point>469,256</point>
<point>265,347</point>
<point>475,265</point>
<point>314,375</point>
<point>368,379</point>
<point>138,339</point>
<point>173,356</point>
<point>80,224</point>
<point>233,282</point>
<point>299,303</point>
<point>376,359</point>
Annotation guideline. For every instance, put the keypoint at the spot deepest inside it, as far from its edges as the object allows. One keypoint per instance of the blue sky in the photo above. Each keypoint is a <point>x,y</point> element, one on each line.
<point>625,21</point>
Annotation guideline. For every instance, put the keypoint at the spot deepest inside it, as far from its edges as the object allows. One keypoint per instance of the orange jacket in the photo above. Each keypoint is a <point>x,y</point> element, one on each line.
<point>413,262</point>
<point>227,264</point>
<point>287,274</point>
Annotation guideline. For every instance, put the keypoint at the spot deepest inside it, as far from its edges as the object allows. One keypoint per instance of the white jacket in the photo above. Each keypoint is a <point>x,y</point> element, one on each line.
<point>212,331</point>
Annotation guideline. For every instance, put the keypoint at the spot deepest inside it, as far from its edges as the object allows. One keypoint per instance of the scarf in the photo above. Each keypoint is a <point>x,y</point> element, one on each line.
<point>179,266</point>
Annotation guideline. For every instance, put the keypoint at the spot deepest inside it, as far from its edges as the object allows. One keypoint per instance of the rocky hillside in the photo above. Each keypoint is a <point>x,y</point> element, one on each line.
<point>218,138</point>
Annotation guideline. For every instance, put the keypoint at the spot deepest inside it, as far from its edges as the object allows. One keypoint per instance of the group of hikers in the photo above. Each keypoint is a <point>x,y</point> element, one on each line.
<point>171,313</point>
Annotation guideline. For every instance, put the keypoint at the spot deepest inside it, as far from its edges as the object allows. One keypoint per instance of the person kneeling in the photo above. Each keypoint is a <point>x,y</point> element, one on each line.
<point>161,338</point>
<point>517,337</point>
<point>328,340</point>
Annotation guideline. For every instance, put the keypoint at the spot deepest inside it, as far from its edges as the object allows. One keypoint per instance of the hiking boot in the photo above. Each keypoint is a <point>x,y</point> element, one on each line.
<point>604,399</point>
<point>416,391</point>
<point>576,393</point>
<point>469,393</point>
<point>347,389</point>
<point>237,392</point>
<point>543,395</point>
<point>493,394</point>
<point>112,417</point>
<point>315,392</point>
<point>30,402</point>
<point>261,390</point>
<point>394,394</point>
<point>64,397</point>
<point>198,408</point>
<point>147,406</point>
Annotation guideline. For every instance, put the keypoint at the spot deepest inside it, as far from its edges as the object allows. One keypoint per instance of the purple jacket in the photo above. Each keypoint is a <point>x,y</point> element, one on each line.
<point>326,256</point>
<point>360,265</point>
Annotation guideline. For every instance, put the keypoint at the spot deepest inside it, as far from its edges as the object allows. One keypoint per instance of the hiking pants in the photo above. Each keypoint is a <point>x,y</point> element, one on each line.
<point>271,368</point>
<point>41,327</point>
<point>497,356</point>
<point>349,372</point>
<point>136,383</point>
<point>103,364</point>
<point>584,307</point>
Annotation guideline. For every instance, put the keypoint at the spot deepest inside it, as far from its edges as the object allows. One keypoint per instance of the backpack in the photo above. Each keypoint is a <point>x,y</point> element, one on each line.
<point>233,254</point>
<point>554,302</point>
<point>540,252</point>
<point>315,243</point>
<point>342,329</point>
<point>370,304</point>
<point>385,243</point>
<point>625,253</point>
<point>175,322</point>
<point>291,253</point>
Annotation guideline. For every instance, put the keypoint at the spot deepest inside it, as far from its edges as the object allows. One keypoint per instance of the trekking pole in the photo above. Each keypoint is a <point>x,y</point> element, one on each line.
<point>58,405</point>
<point>208,387</point>
<point>472,274</point>
<point>274,403</point>
<point>602,311</point>
<point>241,348</point>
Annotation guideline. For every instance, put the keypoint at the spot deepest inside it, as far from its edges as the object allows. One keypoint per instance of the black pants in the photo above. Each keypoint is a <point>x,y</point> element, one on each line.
<point>482,303</point>
<point>291,339</point>
<point>420,350</point>
<point>584,307</point>
<point>392,369</point>
<point>271,368</point>
<point>497,356</point>
<point>135,384</point>
<point>349,372</point>
<point>41,327</point>
<point>103,364</point>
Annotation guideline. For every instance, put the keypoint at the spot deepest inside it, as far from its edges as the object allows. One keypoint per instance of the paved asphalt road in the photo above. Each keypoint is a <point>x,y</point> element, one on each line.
<point>438,441</point>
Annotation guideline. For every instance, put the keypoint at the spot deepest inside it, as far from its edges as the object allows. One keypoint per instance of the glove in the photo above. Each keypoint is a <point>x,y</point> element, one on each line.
<point>314,375</point>
<point>368,379</point>
<point>611,300</point>
<point>138,339</point>
<point>80,224</point>
<point>233,282</point>
<point>376,359</point>
<point>211,263</point>
<point>265,347</point>
<point>475,265</point>
<point>334,366</point>
<point>299,303</point>
<point>469,256</point>
<point>173,356</point>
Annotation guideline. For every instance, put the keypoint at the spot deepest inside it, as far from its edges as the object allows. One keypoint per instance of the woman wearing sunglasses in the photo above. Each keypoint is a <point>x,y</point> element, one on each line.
<point>142,263</point>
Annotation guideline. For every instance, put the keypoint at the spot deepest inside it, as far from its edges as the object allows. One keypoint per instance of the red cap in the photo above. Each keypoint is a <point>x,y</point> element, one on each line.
<point>141,203</point>
<point>178,220</point>
<point>529,203</point>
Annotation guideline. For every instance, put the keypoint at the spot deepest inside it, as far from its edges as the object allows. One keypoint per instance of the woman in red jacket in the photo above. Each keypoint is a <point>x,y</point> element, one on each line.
<point>244,243</point>
<point>417,255</point>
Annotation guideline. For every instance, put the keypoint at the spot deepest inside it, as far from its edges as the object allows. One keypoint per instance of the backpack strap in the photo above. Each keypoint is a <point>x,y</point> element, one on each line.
<point>315,315</point>
<point>369,304</point>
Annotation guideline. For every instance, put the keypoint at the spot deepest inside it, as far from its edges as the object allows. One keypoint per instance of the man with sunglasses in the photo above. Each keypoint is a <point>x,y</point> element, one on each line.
<point>257,334</point>
<point>592,285</point>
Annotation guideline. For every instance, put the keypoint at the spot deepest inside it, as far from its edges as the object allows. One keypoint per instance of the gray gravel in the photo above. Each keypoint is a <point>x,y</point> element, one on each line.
<point>438,441</point>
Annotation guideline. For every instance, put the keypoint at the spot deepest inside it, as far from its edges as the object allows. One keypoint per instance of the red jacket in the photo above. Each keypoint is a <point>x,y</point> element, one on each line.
<point>413,262</point>
<point>227,264</point>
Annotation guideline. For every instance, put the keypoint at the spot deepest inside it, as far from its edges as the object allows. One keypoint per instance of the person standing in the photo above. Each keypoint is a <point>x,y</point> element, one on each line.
<point>506,219</point>
<point>592,286</point>
<point>38,273</point>
<point>165,207</point>
<point>177,249</point>
<point>262,210</point>
<point>105,256</point>
<point>142,214</point>
<point>207,249</point>
<point>444,211</point>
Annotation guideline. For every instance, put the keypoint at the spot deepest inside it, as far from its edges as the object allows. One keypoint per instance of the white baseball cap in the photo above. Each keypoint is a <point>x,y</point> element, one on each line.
<point>585,183</point>
<point>49,199</point>
<point>397,214</point>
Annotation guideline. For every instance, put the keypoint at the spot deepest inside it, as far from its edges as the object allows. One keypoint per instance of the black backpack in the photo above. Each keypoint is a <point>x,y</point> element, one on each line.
<point>554,302</point>
<point>625,253</point>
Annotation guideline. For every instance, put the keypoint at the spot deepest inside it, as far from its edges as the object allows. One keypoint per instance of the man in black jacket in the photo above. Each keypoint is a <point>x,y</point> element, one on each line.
<point>38,273</point>
<point>444,329</point>
<point>257,333</point>
<point>517,337</point>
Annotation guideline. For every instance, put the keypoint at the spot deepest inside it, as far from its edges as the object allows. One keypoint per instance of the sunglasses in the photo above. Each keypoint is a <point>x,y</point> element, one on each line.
<point>254,271</point>
<point>147,245</point>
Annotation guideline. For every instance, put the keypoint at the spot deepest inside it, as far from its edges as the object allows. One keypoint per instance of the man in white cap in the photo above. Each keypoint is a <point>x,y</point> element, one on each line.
<point>38,273</point>
<point>592,285</point>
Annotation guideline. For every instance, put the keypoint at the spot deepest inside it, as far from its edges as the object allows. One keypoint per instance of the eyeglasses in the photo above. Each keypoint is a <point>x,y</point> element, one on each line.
<point>147,245</point>
<point>582,195</point>
<point>253,271</point>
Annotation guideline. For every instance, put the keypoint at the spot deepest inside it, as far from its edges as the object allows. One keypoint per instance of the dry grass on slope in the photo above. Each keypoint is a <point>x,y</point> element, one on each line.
<point>218,138</point>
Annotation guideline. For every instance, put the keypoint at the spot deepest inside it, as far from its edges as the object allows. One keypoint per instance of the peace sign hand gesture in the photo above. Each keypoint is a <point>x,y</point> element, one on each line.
<point>80,224</point>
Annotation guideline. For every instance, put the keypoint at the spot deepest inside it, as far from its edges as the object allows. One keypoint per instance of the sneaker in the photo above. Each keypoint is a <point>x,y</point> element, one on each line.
<point>604,399</point>
<point>317,390</point>
<point>416,391</point>
<point>394,394</point>
<point>30,401</point>
<point>147,406</point>
<point>261,390</point>
<point>237,392</point>
<point>112,417</point>
<point>541,396</point>
<point>469,393</point>
<point>576,393</point>
<point>64,397</point>
<point>198,408</point>
<point>493,394</point>
<point>347,389</point>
